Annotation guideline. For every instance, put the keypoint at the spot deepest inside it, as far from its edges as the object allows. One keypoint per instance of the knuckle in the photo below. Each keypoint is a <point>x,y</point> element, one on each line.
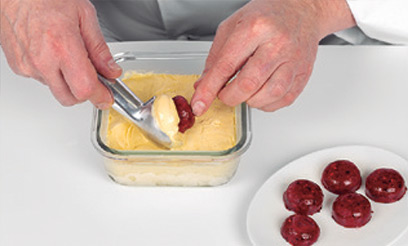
<point>19,64</point>
<point>249,84</point>
<point>84,93</point>
<point>40,79</point>
<point>288,99</point>
<point>309,69</point>
<point>253,104</point>
<point>22,72</point>
<point>227,24</point>
<point>226,68</point>
<point>222,27</point>
<point>227,101</point>
<point>259,24</point>
<point>278,89</point>
<point>206,91</point>
<point>259,100</point>
<point>68,102</point>
<point>89,10</point>
<point>22,69</point>
<point>268,109</point>
<point>100,48</point>
<point>211,58</point>
<point>61,94</point>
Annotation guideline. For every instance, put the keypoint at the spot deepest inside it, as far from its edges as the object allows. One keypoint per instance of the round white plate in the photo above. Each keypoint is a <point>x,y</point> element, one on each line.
<point>267,212</point>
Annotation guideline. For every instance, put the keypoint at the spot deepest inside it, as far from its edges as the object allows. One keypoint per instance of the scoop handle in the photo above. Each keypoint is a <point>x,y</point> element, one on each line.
<point>130,106</point>
<point>123,97</point>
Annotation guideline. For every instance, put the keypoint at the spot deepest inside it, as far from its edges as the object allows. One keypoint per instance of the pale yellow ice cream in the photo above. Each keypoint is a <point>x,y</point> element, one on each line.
<point>213,131</point>
<point>164,111</point>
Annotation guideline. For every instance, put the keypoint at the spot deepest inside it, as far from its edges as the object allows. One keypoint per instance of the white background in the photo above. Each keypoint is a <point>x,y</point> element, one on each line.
<point>54,191</point>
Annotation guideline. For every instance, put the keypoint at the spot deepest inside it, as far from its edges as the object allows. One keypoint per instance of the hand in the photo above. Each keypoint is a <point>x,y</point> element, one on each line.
<point>59,43</point>
<point>271,46</point>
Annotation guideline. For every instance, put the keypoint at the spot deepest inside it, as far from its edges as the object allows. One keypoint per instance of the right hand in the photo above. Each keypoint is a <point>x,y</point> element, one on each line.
<point>59,43</point>
<point>271,46</point>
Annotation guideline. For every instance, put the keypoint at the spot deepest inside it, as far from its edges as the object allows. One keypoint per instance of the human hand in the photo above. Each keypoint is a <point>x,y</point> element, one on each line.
<point>59,43</point>
<point>273,45</point>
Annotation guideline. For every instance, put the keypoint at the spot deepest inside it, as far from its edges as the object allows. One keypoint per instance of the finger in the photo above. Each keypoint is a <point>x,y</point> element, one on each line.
<point>221,36</point>
<point>279,83</point>
<point>60,89</point>
<point>252,76</point>
<point>95,44</point>
<point>80,75</point>
<point>299,84</point>
<point>229,60</point>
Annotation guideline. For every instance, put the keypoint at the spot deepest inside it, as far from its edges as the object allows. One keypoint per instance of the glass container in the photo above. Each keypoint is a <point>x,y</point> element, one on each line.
<point>165,167</point>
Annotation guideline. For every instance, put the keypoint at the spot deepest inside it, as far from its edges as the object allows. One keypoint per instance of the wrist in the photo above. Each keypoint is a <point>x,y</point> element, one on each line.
<point>333,16</point>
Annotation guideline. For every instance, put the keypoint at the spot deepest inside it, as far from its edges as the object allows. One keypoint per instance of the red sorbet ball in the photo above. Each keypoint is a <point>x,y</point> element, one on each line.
<point>300,230</point>
<point>385,185</point>
<point>341,177</point>
<point>351,210</point>
<point>303,197</point>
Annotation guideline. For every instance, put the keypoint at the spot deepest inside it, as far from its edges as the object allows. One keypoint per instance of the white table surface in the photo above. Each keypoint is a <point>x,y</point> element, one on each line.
<point>54,191</point>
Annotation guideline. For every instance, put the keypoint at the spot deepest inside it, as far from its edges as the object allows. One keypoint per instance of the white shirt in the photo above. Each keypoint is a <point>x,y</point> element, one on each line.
<point>384,20</point>
<point>379,21</point>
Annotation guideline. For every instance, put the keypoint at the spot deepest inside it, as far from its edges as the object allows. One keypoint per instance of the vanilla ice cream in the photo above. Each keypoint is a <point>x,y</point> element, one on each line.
<point>213,131</point>
<point>165,114</point>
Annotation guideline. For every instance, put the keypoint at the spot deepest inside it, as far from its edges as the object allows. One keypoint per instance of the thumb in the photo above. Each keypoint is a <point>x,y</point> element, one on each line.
<point>98,50</point>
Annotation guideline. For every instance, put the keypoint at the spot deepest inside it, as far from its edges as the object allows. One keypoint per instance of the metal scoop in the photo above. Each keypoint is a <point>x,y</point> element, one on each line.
<point>138,112</point>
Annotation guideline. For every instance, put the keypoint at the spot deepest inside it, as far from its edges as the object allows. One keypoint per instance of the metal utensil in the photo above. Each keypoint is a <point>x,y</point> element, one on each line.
<point>138,112</point>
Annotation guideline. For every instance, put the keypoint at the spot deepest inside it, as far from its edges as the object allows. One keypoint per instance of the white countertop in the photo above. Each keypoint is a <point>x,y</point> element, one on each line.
<point>54,191</point>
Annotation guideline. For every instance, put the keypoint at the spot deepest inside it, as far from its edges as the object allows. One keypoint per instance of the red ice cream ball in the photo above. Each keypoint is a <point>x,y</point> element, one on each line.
<point>385,185</point>
<point>351,210</point>
<point>300,230</point>
<point>341,176</point>
<point>185,113</point>
<point>303,197</point>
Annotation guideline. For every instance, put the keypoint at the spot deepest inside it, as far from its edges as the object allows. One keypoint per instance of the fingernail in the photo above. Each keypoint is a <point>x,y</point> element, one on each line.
<point>113,65</point>
<point>103,106</point>
<point>198,108</point>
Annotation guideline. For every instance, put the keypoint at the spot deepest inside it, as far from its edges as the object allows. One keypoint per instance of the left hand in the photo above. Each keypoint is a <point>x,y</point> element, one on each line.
<point>271,46</point>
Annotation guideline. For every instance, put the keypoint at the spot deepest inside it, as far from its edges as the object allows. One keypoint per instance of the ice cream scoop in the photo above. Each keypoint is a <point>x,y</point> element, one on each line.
<point>134,109</point>
<point>164,112</point>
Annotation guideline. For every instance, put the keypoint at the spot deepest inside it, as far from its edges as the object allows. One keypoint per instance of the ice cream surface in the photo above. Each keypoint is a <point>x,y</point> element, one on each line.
<point>213,131</point>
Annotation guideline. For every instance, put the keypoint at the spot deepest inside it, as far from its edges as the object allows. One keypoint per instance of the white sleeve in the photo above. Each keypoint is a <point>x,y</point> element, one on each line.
<point>383,20</point>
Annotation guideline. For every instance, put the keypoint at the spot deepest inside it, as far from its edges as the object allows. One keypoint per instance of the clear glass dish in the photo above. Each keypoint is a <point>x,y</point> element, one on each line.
<point>170,168</point>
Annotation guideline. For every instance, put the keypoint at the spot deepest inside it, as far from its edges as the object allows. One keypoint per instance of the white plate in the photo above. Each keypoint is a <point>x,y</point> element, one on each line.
<point>267,212</point>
